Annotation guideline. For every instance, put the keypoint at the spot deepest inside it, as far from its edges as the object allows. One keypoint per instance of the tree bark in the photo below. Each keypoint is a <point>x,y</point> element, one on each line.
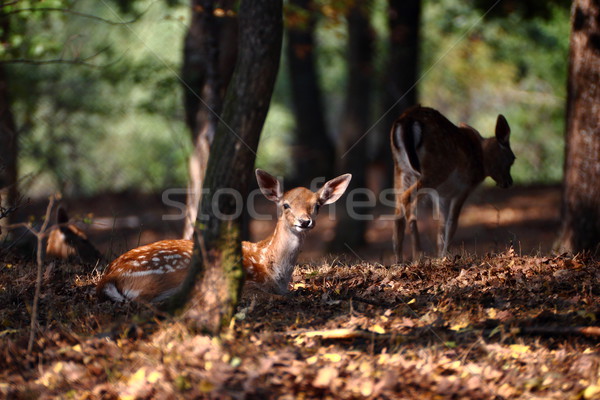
<point>216,275</point>
<point>399,87</point>
<point>314,153</point>
<point>355,122</point>
<point>581,192</point>
<point>210,52</point>
<point>8,139</point>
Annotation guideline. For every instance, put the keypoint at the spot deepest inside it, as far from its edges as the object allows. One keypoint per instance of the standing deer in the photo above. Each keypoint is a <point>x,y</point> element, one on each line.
<point>68,241</point>
<point>430,152</point>
<point>155,272</point>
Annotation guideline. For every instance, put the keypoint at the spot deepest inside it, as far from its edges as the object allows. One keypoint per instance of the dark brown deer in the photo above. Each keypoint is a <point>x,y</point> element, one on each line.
<point>446,161</point>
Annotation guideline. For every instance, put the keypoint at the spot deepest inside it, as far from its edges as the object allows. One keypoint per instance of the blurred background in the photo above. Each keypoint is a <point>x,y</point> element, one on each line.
<point>97,99</point>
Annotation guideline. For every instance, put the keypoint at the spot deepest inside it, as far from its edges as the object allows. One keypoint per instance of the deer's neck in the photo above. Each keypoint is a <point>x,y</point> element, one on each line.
<point>487,146</point>
<point>278,255</point>
<point>474,149</point>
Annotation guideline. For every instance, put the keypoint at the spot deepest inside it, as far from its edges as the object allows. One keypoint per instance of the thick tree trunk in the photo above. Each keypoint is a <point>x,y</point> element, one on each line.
<point>355,122</point>
<point>399,87</point>
<point>215,278</point>
<point>210,52</point>
<point>314,153</point>
<point>8,140</point>
<point>581,196</point>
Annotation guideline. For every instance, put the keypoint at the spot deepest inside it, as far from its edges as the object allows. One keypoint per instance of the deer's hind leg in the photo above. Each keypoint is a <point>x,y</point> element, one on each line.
<point>406,202</point>
<point>399,227</point>
<point>450,211</point>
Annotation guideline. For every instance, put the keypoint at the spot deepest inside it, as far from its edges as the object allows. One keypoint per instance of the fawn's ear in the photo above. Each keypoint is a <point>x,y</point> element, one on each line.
<point>502,130</point>
<point>269,185</point>
<point>396,135</point>
<point>334,189</point>
<point>61,215</point>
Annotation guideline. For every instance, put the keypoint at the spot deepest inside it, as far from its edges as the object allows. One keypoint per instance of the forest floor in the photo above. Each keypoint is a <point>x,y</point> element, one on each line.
<point>502,324</point>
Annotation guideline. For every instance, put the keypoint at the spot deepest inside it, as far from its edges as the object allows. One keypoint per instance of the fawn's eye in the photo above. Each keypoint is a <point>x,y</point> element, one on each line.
<point>317,206</point>
<point>286,206</point>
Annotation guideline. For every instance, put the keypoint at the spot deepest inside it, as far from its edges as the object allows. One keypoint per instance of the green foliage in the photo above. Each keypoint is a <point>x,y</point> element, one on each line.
<point>17,41</point>
<point>115,126</point>
<point>119,125</point>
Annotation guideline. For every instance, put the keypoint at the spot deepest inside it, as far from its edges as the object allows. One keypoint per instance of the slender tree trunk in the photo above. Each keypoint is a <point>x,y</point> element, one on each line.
<point>8,139</point>
<point>216,276</point>
<point>399,88</point>
<point>581,193</point>
<point>314,153</point>
<point>210,51</point>
<point>355,123</point>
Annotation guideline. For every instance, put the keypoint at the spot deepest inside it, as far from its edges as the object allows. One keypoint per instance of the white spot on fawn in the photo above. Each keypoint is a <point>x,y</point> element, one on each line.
<point>159,271</point>
<point>111,291</point>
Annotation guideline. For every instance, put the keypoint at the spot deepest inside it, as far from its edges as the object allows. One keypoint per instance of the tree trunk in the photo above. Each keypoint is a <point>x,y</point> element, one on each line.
<point>210,52</point>
<point>8,140</point>
<point>581,193</point>
<point>399,88</point>
<point>355,122</point>
<point>314,153</point>
<point>217,260</point>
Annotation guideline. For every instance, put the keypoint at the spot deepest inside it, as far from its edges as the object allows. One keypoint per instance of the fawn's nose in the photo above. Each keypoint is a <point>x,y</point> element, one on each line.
<point>305,223</point>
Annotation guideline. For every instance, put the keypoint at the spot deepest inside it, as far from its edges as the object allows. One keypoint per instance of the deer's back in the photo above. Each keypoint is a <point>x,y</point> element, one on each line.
<point>443,151</point>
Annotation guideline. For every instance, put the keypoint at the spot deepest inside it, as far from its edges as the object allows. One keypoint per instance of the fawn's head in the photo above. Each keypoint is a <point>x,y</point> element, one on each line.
<point>498,156</point>
<point>67,240</point>
<point>299,206</point>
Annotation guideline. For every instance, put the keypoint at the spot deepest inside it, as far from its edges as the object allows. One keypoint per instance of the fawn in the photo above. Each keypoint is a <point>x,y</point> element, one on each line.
<point>430,152</point>
<point>68,241</point>
<point>154,272</point>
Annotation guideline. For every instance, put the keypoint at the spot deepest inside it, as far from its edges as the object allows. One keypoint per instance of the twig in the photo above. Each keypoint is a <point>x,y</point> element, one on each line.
<point>345,333</point>
<point>11,3</point>
<point>342,334</point>
<point>74,61</point>
<point>591,331</point>
<point>72,12</point>
<point>38,282</point>
<point>370,302</point>
<point>25,225</point>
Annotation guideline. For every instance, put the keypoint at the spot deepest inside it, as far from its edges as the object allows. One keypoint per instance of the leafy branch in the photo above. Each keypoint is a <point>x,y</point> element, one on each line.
<point>72,61</point>
<point>72,12</point>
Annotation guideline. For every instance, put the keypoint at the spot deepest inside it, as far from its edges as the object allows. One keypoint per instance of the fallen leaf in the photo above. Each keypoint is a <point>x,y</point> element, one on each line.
<point>591,392</point>
<point>518,349</point>
<point>459,325</point>
<point>377,329</point>
<point>206,386</point>
<point>154,377</point>
<point>333,357</point>
<point>324,377</point>
<point>312,360</point>
<point>366,388</point>
<point>138,378</point>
